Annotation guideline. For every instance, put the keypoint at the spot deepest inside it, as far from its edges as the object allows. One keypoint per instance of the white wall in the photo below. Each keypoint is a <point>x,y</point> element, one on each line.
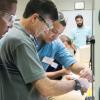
<point>20,7</point>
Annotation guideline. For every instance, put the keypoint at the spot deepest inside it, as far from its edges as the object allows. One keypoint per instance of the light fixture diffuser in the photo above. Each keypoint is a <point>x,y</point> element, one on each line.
<point>79,5</point>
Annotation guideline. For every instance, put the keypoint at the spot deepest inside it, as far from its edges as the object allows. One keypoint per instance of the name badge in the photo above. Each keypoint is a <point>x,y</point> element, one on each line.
<point>49,61</point>
<point>54,65</point>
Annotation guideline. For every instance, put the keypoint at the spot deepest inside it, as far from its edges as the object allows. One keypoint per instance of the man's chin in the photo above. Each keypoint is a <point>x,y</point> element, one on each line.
<point>80,25</point>
<point>48,41</point>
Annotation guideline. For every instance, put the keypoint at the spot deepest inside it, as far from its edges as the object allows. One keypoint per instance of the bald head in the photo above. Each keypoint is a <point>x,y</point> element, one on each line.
<point>65,38</point>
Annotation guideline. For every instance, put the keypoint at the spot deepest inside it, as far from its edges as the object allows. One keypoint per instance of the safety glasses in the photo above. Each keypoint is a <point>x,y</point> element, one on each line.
<point>48,22</point>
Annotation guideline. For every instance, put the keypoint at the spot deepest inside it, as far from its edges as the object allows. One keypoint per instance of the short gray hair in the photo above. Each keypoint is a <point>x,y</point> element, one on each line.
<point>61,18</point>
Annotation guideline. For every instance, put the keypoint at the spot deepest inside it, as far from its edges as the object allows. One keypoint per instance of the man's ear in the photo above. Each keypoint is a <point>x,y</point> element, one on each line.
<point>34,17</point>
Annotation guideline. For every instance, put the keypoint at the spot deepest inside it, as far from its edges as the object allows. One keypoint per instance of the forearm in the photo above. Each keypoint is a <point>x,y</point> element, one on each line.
<point>76,68</point>
<point>49,87</point>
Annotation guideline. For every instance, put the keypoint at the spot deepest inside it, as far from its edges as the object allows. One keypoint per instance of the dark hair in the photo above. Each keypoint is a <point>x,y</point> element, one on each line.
<point>61,19</point>
<point>5,4</point>
<point>79,16</point>
<point>42,7</point>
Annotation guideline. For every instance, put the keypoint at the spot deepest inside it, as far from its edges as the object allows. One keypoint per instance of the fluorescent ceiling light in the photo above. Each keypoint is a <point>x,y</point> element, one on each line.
<point>79,5</point>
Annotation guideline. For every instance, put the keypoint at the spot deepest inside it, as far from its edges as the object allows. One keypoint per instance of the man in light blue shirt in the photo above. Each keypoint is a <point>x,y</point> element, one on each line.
<point>50,48</point>
<point>80,33</point>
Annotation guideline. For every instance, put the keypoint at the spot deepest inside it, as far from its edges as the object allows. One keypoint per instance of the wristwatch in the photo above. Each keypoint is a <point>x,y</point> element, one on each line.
<point>77,85</point>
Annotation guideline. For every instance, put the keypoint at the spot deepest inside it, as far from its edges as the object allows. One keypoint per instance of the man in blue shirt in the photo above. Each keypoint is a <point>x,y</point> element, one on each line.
<point>80,33</point>
<point>51,48</point>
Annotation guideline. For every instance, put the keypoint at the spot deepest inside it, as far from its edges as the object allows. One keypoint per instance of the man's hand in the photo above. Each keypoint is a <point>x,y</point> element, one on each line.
<point>86,73</point>
<point>84,84</point>
<point>65,71</point>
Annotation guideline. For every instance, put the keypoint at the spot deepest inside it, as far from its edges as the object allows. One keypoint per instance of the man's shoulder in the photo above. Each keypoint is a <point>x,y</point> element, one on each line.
<point>87,28</point>
<point>56,42</point>
<point>13,37</point>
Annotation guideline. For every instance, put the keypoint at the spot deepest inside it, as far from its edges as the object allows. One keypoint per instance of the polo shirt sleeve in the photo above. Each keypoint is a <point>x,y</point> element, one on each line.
<point>28,63</point>
<point>63,56</point>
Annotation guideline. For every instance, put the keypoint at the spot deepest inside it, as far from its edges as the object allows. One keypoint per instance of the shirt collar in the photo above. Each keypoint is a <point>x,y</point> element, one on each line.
<point>20,27</point>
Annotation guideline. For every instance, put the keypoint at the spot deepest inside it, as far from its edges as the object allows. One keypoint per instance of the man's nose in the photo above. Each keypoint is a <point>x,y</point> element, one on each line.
<point>54,36</point>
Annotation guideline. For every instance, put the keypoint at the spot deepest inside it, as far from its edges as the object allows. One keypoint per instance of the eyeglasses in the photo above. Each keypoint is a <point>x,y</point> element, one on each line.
<point>55,31</point>
<point>8,17</point>
<point>48,23</point>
